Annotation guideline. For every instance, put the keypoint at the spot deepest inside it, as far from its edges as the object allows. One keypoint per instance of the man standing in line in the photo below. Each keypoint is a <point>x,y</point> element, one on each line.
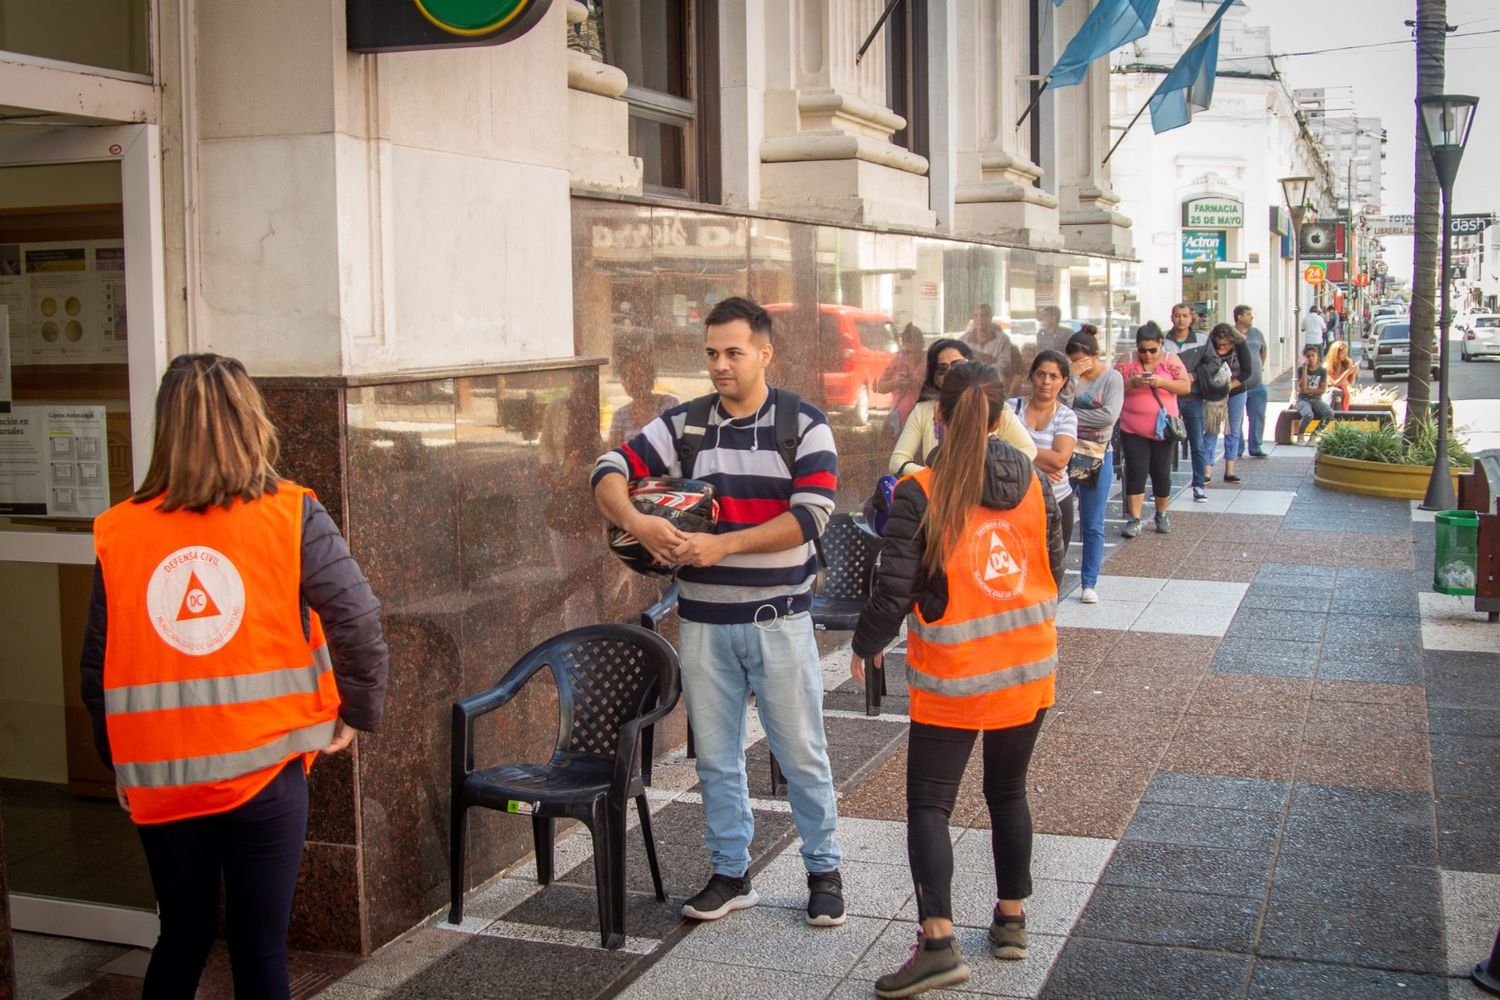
<point>746,594</point>
<point>1314,330</point>
<point>1185,343</point>
<point>993,346</point>
<point>1051,335</point>
<point>1255,386</point>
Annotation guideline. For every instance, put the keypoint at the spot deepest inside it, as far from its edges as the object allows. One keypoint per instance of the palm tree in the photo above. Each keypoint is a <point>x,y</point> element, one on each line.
<point>1432,22</point>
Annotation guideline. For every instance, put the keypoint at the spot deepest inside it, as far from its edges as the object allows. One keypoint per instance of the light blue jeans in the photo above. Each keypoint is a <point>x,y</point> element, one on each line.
<point>1255,409</point>
<point>1091,503</point>
<point>1191,410</point>
<point>1234,431</point>
<point>721,666</point>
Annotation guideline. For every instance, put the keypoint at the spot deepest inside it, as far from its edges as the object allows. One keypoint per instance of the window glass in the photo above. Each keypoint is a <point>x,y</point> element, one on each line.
<point>878,336</point>
<point>110,34</point>
<point>663,152</point>
<point>1487,321</point>
<point>1396,331</point>
<point>646,39</point>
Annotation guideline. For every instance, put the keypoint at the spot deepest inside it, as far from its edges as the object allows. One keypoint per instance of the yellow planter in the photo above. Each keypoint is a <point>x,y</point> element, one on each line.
<point>1374,479</point>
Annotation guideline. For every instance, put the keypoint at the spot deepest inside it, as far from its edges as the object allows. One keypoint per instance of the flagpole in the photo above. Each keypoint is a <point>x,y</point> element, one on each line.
<point>1127,131</point>
<point>1032,106</point>
<point>875,30</point>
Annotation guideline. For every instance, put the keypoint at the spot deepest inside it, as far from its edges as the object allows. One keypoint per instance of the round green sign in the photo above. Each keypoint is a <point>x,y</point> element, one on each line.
<point>473,17</point>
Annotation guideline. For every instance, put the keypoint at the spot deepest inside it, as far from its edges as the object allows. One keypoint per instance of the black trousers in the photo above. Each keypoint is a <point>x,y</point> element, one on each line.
<point>1067,508</point>
<point>256,850</point>
<point>1142,455</point>
<point>936,758</point>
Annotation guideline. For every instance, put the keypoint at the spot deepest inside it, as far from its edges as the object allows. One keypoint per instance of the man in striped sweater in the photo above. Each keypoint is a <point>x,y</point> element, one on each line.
<point>746,594</point>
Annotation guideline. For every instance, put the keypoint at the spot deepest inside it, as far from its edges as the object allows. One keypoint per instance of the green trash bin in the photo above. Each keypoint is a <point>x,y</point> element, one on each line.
<point>1457,564</point>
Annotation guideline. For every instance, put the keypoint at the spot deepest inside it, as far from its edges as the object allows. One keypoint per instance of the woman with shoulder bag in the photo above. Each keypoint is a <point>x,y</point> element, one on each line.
<point>973,554</point>
<point>1053,428</point>
<point>1150,425</point>
<point>1099,392</point>
<point>230,640</point>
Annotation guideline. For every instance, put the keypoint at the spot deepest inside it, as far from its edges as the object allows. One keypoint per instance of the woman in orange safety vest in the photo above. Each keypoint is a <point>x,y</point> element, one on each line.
<point>972,559</point>
<point>231,638</point>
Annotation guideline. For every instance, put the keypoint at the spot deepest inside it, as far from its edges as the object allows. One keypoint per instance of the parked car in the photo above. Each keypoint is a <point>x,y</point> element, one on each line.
<point>1482,339</point>
<point>1393,350</point>
<point>867,342</point>
<point>1372,335</point>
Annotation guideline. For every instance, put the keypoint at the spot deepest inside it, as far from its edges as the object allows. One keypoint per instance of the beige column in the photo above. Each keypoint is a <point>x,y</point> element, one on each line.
<point>1088,215</point>
<point>827,148</point>
<point>598,121</point>
<point>996,195</point>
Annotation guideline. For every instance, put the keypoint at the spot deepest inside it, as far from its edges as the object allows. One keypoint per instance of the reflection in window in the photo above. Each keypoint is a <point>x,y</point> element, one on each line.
<point>109,34</point>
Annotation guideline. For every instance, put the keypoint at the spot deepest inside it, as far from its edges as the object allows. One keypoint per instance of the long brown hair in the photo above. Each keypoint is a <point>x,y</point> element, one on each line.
<point>214,442</point>
<point>969,403</point>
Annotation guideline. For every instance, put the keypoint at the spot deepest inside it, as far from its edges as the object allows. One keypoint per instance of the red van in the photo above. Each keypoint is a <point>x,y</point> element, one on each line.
<point>867,342</point>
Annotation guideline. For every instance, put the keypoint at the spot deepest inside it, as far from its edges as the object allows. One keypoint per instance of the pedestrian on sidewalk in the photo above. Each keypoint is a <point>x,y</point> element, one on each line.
<point>1227,414</point>
<point>1098,394</point>
<point>1183,342</point>
<point>1153,384</point>
<point>973,553</point>
<point>1314,331</point>
<point>923,430</point>
<point>1343,373</point>
<point>231,639</point>
<point>1053,429</point>
<point>1312,382</point>
<point>1255,385</point>
<point>746,591</point>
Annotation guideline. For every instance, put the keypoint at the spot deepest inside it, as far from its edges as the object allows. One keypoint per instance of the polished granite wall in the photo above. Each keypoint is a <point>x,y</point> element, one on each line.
<point>465,497</point>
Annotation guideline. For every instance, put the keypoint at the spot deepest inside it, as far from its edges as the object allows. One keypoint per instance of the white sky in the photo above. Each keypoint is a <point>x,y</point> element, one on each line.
<point>1382,82</point>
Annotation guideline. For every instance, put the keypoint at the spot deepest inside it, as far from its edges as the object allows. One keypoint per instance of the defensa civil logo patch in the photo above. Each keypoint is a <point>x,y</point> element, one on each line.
<point>196,600</point>
<point>998,555</point>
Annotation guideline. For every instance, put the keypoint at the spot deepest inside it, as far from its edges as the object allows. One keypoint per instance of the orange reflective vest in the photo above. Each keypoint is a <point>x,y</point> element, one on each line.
<point>210,684</point>
<point>990,660</point>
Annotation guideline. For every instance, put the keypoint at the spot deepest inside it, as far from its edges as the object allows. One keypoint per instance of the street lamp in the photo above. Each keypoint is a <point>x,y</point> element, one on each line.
<point>1294,190</point>
<point>1445,120</point>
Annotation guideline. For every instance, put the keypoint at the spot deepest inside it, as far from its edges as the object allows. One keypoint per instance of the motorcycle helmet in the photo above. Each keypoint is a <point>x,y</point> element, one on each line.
<point>688,503</point>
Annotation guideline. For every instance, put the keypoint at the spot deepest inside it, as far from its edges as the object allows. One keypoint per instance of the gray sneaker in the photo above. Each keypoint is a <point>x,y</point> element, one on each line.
<point>1008,937</point>
<point>926,969</point>
<point>1132,528</point>
<point>1163,523</point>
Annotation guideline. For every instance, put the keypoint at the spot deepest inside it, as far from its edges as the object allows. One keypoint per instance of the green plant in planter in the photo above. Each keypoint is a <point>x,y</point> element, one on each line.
<point>1388,446</point>
<point>1366,396</point>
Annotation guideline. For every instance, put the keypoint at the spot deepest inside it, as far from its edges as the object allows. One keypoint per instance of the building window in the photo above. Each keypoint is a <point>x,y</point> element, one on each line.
<point>668,50</point>
<point>906,73</point>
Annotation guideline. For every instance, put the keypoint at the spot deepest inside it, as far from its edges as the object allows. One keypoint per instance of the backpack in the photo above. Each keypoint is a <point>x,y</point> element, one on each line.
<point>1211,375</point>
<point>786,406</point>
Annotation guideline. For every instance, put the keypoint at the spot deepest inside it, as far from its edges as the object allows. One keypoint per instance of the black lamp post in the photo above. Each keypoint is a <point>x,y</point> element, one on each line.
<point>1294,190</point>
<point>1446,120</point>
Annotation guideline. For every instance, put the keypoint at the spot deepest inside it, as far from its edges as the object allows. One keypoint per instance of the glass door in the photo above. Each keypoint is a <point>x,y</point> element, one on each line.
<point>83,346</point>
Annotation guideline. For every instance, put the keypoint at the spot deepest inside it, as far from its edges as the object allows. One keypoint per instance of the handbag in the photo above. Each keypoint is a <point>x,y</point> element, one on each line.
<point>1086,461</point>
<point>1169,426</point>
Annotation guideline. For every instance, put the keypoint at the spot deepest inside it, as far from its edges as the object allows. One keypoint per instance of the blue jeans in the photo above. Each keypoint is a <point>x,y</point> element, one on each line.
<point>1234,430</point>
<point>1192,421</point>
<point>1255,409</point>
<point>721,666</point>
<point>1091,503</point>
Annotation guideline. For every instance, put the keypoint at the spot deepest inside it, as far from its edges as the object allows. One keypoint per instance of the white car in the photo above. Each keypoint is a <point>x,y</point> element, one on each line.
<point>1482,339</point>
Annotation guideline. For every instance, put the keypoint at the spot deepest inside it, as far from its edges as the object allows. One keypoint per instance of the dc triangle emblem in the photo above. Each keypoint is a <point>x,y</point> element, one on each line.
<point>196,602</point>
<point>999,562</point>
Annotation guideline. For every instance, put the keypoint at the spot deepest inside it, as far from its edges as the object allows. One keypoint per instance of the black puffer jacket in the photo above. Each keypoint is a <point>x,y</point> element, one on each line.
<point>901,584</point>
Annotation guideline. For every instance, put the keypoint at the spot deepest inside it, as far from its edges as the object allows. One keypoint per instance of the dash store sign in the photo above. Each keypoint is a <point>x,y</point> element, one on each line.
<point>1213,213</point>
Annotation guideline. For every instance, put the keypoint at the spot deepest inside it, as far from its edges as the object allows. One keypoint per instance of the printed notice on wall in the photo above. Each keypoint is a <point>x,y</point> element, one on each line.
<point>67,302</point>
<point>53,462</point>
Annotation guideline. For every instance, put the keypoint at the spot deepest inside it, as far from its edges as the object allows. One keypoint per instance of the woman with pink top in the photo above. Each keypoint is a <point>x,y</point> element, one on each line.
<point>904,376</point>
<point>1153,381</point>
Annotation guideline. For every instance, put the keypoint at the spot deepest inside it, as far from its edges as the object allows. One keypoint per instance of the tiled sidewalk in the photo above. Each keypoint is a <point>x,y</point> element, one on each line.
<point>1272,771</point>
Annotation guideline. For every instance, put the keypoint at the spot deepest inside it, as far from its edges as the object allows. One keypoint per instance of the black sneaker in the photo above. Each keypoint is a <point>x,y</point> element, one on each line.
<point>928,968</point>
<point>825,898</point>
<point>721,895</point>
<point>1008,936</point>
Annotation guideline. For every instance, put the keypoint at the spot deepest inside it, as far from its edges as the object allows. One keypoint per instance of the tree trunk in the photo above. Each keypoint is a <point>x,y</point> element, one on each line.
<point>1432,18</point>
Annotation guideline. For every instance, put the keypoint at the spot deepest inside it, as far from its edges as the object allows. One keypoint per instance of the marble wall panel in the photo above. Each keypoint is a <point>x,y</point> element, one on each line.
<point>7,953</point>
<point>326,913</point>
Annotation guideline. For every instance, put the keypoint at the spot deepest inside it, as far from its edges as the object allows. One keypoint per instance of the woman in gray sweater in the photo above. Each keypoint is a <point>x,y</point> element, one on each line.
<point>1098,394</point>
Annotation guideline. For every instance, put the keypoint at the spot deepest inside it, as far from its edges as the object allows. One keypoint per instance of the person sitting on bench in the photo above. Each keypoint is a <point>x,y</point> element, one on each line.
<point>1312,382</point>
<point>1342,374</point>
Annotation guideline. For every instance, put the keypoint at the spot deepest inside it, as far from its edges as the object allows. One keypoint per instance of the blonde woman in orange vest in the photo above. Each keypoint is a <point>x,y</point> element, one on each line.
<point>231,639</point>
<point>973,555</point>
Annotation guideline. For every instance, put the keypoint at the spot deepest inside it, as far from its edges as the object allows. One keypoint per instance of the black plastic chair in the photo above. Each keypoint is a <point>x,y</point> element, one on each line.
<point>613,681</point>
<point>852,552</point>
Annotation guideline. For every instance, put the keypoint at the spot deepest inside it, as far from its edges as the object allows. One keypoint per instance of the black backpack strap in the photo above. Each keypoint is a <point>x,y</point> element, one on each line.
<point>787,407</point>
<point>693,430</point>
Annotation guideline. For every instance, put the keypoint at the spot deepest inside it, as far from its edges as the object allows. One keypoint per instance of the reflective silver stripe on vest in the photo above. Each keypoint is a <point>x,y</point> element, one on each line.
<point>222,766</point>
<point>203,691</point>
<point>980,628</point>
<point>995,680</point>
